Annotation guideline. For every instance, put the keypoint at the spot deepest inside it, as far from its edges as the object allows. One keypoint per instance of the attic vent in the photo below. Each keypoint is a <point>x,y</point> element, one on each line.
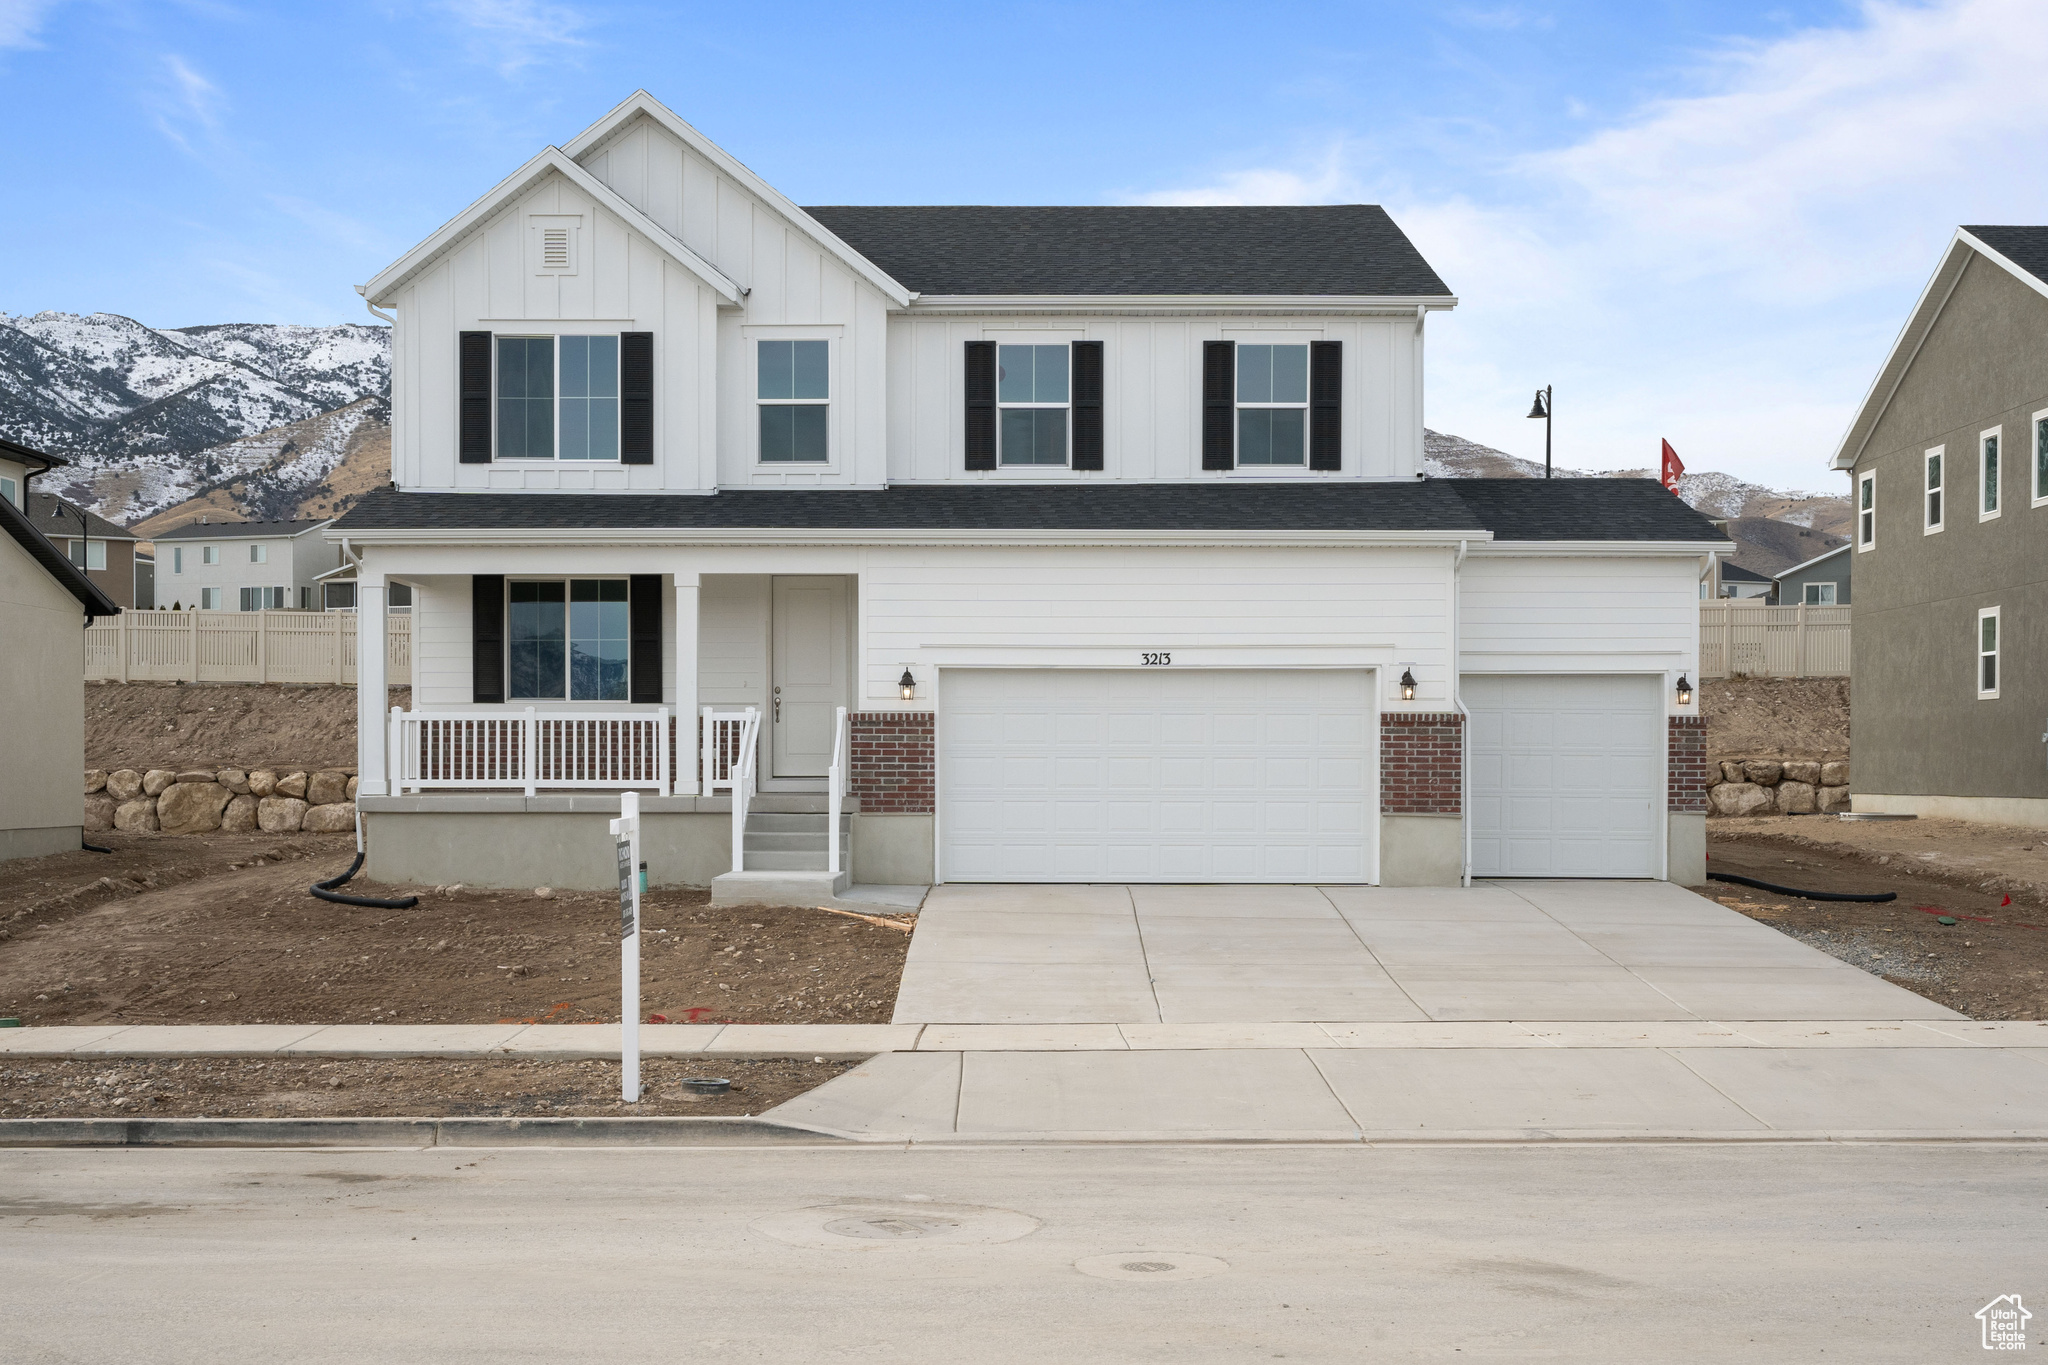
<point>554,248</point>
<point>552,244</point>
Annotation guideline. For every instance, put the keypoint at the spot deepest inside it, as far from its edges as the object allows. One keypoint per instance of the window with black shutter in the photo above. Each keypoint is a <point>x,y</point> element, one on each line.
<point>1326,405</point>
<point>1087,405</point>
<point>644,629</point>
<point>473,398</point>
<point>980,389</point>
<point>1219,405</point>
<point>487,638</point>
<point>636,398</point>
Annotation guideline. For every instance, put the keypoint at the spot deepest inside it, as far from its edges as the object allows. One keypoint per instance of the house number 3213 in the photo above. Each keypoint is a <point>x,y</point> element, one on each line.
<point>1150,660</point>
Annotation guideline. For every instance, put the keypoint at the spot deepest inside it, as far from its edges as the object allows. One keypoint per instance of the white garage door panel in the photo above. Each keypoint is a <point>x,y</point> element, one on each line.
<point>1173,775</point>
<point>1567,775</point>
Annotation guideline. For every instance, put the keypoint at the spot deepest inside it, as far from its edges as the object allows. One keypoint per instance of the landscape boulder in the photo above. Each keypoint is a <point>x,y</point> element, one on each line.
<point>99,811</point>
<point>156,779</point>
<point>1809,773</point>
<point>280,814</point>
<point>95,781</point>
<point>1731,770</point>
<point>137,816</point>
<point>263,782</point>
<point>240,815</point>
<point>337,817</point>
<point>192,807</point>
<point>351,787</point>
<point>1828,800</point>
<point>1764,771</point>
<point>1741,798</point>
<point>326,787</point>
<point>124,784</point>
<point>1835,774</point>
<point>1795,798</point>
<point>196,775</point>
<point>234,779</point>
<point>295,785</point>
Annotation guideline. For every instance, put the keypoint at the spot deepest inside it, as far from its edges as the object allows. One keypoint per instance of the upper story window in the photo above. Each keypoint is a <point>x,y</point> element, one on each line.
<point>1817,595</point>
<point>10,491</point>
<point>558,398</point>
<point>1987,654</point>
<point>1932,521</point>
<point>2040,458</point>
<point>568,639</point>
<point>177,559</point>
<point>259,554</point>
<point>1033,394</point>
<point>89,554</point>
<point>209,554</point>
<point>1272,405</point>
<point>1866,509</point>
<point>793,389</point>
<point>1987,473</point>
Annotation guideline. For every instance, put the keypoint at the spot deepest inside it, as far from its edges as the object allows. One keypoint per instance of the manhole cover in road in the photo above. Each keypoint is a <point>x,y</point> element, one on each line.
<point>1150,1265</point>
<point>864,1224</point>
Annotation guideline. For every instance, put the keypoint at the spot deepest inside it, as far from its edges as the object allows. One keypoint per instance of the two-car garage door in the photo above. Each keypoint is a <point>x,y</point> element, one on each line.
<point>1157,774</point>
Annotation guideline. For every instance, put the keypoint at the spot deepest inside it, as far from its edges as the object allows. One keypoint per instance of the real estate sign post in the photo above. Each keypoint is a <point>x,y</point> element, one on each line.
<point>626,831</point>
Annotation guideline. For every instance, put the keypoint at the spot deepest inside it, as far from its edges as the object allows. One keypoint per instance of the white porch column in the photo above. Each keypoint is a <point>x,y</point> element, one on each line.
<point>684,632</point>
<point>373,723</point>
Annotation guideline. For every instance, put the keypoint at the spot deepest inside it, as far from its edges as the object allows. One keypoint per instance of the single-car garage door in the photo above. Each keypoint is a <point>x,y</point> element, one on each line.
<point>1158,774</point>
<point>1567,775</point>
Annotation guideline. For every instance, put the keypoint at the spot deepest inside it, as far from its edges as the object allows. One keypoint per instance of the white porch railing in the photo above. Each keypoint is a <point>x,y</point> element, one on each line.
<point>530,750</point>
<point>731,743</point>
<point>836,785</point>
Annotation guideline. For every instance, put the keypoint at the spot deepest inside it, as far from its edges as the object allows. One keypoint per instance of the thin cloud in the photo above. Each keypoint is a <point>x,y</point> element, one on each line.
<point>515,34</point>
<point>21,20</point>
<point>186,105</point>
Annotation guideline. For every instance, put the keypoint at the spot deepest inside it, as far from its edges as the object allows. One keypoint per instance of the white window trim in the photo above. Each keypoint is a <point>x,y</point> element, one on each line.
<point>202,599</point>
<point>1237,406</point>
<point>2040,486</point>
<point>1866,537</point>
<point>1978,654</point>
<point>1931,525</point>
<point>259,554</point>
<point>209,554</point>
<point>567,329</point>
<point>1066,407</point>
<point>565,579</point>
<point>1997,486</point>
<point>830,335</point>
<point>1808,587</point>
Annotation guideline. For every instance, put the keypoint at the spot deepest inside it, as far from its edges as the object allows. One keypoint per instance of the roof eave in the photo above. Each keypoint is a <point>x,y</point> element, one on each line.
<point>1391,304</point>
<point>971,536</point>
<point>1825,554</point>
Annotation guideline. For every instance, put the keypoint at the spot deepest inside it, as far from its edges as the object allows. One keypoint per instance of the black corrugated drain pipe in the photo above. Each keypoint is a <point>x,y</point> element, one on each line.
<point>326,892</point>
<point>1804,895</point>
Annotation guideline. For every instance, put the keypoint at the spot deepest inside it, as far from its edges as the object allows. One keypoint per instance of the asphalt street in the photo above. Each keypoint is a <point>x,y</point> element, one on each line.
<point>1624,1252</point>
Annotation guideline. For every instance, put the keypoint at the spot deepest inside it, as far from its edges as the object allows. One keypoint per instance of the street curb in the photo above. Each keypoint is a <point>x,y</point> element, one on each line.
<point>624,1131</point>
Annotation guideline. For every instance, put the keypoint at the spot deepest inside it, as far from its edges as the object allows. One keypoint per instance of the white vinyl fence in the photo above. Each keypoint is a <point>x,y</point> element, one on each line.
<point>239,646</point>
<point>1750,639</point>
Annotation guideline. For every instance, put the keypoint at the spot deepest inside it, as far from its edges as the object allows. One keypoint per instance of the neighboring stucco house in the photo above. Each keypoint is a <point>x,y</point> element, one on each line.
<point>244,565</point>
<point>1948,466</point>
<point>1822,581</point>
<point>1067,544</point>
<point>105,551</point>
<point>45,604</point>
<point>1738,582</point>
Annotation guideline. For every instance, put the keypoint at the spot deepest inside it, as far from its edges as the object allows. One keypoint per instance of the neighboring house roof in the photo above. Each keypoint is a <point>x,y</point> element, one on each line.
<point>43,510</point>
<point>1735,573</point>
<point>1506,509</point>
<point>45,553</point>
<point>240,530</point>
<point>22,452</point>
<point>1351,250</point>
<point>2020,251</point>
<point>1843,548</point>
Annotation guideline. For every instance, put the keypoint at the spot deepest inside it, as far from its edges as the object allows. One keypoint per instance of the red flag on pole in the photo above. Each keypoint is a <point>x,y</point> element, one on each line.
<point>1673,467</point>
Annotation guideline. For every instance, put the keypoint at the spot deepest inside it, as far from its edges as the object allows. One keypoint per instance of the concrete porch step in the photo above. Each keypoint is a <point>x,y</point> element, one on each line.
<point>776,886</point>
<point>793,860</point>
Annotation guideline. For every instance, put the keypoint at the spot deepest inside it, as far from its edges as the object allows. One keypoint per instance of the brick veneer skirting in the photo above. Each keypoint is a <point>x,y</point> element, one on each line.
<point>1422,757</point>
<point>894,764</point>
<point>1688,761</point>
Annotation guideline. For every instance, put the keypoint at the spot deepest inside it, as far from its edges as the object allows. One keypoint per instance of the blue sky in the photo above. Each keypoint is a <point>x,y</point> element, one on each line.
<point>1699,221</point>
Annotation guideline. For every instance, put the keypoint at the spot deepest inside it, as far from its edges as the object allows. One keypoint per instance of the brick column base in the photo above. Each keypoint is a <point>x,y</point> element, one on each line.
<point>894,762</point>
<point>1687,750</point>
<point>1422,762</point>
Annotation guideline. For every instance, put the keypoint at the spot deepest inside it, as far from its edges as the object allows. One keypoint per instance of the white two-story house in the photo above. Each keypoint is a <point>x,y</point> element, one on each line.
<point>1049,544</point>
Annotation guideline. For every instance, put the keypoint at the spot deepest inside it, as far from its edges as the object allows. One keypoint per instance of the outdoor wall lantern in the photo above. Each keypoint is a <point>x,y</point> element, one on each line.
<point>1407,684</point>
<point>1684,690</point>
<point>907,685</point>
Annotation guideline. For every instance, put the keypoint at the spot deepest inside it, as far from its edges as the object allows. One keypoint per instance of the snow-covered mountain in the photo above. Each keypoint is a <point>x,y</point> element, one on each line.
<point>150,417</point>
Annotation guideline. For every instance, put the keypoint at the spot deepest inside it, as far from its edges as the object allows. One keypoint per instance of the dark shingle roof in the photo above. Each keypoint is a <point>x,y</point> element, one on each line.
<point>1735,573</point>
<point>2025,247</point>
<point>14,450</point>
<point>1513,509</point>
<point>1339,249</point>
<point>238,530</point>
<point>43,510</point>
<point>25,534</point>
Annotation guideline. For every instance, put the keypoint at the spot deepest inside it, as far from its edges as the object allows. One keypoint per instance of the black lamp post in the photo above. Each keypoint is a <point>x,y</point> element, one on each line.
<point>57,506</point>
<point>1541,408</point>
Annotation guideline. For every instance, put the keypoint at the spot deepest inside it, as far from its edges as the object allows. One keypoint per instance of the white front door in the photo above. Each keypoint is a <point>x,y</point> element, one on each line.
<point>810,679</point>
<point>1158,775</point>
<point>1567,775</point>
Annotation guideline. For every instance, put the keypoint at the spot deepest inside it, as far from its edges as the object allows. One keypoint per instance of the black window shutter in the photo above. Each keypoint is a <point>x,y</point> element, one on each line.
<point>636,398</point>
<point>1087,405</point>
<point>1326,405</point>
<point>643,630</point>
<point>474,399</point>
<point>487,637</point>
<point>981,405</point>
<point>1219,405</point>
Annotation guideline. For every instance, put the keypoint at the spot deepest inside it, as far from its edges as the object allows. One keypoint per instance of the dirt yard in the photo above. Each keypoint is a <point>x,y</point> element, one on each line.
<point>1798,718</point>
<point>413,1088</point>
<point>225,725</point>
<point>1991,963</point>
<point>219,929</point>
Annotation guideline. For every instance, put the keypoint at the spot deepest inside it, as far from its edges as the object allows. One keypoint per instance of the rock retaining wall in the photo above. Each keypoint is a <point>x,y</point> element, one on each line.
<point>1770,786</point>
<point>202,800</point>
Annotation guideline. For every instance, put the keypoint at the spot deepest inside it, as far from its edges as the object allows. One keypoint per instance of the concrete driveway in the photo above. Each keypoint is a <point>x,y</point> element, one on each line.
<point>1504,950</point>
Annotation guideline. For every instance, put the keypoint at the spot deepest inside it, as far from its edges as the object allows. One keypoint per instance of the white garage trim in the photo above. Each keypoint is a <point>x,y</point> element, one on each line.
<point>1569,774</point>
<point>1158,774</point>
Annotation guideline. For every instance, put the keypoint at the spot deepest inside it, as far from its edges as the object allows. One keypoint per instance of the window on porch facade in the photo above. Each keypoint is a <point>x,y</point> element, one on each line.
<point>568,639</point>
